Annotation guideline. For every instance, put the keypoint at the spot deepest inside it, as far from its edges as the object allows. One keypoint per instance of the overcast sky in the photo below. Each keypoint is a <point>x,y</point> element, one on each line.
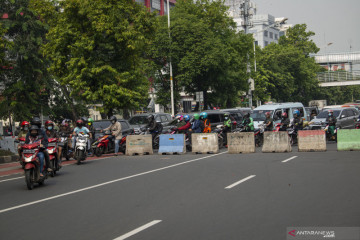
<point>333,21</point>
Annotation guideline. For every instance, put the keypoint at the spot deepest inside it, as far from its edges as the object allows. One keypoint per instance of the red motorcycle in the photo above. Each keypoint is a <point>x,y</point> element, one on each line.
<point>53,155</point>
<point>31,164</point>
<point>102,145</point>
<point>277,127</point>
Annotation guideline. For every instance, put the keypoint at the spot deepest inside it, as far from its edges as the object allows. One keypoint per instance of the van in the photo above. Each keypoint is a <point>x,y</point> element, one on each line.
<point>276,109</point>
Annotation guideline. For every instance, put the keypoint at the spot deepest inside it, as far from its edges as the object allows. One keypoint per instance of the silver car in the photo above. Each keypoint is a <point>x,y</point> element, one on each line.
<point>346,118</point>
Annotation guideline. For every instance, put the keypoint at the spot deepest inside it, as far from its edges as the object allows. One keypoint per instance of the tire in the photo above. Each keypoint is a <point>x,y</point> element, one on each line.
<point>220,142</point>
<point>99,151</point>
<point>78,157</point>
<point>52,174</point>
<point>123,148</point>
<point>28,177</point>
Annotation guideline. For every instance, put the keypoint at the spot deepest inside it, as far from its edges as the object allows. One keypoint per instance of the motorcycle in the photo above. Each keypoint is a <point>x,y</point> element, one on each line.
<point>156,139</point>
<point>292,134</point>
<point>32,164</point>
<point>81,147</point>
<point>277,127</point>
<point>104,144</point>
<point>357,124</point>
<point>52,150</point>
<point>330,137</point>
<point>174,130</point>
<point>64,143</point>
<point>259,135</point>
<point>21,141</point>
<point>219,130</point>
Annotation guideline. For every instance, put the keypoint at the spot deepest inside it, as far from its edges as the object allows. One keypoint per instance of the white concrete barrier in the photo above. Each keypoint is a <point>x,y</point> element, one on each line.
<point>139,144</point>
<point>242,142</point>
<point>312,141</point>
<point>276,142</point>
<point>204,143</point>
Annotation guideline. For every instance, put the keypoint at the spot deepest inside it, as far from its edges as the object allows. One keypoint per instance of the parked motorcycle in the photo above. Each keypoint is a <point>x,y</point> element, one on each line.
<point>81,147</point>
<point>64,143</point>
<point>32,164</point>
<point>53,156</point>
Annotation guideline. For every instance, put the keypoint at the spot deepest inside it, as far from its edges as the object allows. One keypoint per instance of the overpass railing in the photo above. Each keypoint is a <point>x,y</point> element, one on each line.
<point>338,76</point>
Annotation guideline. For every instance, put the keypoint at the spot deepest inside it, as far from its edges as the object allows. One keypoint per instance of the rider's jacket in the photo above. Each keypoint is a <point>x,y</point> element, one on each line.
<point>331,120</point>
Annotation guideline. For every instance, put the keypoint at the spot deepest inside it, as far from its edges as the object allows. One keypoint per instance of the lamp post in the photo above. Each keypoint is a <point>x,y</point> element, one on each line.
<point>328,64</point>
<point>171,73</point>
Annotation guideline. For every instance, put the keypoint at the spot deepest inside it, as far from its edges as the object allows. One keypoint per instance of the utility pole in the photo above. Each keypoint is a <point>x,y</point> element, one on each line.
<point>247,10</point>
<point>171,73</point>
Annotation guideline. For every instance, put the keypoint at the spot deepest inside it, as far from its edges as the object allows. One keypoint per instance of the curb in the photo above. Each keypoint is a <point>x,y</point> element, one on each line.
<point>9,159</point>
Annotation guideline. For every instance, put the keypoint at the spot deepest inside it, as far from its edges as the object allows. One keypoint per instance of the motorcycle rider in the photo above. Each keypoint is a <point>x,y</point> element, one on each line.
<point>36,134</point>
<point>37,122</point>
<point>269,123</point>
<point>91,127</point>
<point>154,127</point>
<point>227,126</point>
<point>116,133</point>
<point>187,126</point>
<point>22,134</point>
<point>297,121</point>
<point>50,130</point>
<point>178,121</point>
<point>206,121</point>
<point>64,130</point>
<point>80,128</point>
<point>197,125</point>
<point>284,124</point>
<point>331,120</point>
<point>248,123</point>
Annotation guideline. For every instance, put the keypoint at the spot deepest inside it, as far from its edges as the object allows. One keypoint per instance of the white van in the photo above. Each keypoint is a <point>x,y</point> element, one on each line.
<point>276,109</point>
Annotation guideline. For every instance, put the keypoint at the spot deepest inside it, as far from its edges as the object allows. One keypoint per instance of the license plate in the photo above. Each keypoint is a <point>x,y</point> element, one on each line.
<point>29,151</point>
<point>51,144</point>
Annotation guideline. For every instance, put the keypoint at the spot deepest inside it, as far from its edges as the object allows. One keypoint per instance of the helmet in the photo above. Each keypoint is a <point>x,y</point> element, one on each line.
<point>178,116</point>
<point>247,115</point>
<point>79,123</point>
<point>150,117</point>
<point>65,125</point>
<point>36,121</point>
<point>203,115</point>
<point>113,119</point>
<point>284,114</point>
<point>187,118</point>
<point>196,116</point>
<point>25,123</point>
<point>84,119</point>
<point>297,112</point>
<point>90,120</point>
<point>331,111</point>
<point>226,116</point>
<point>34,127</point>
<point>267,114</point>
<point>49,122</point>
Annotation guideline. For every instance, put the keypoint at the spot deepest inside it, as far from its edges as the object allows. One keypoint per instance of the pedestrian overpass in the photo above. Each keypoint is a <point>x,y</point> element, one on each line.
<point>340,69</point>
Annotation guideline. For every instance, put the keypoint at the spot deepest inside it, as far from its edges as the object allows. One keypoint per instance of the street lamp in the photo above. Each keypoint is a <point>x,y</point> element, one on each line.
<point>171,73</point>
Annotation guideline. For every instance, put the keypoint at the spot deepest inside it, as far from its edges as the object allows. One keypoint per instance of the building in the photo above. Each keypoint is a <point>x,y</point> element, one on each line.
<point>157,5</point>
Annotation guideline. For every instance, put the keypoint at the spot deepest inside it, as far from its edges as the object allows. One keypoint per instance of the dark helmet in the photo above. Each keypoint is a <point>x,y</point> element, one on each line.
<point>79,123</point>
<point>36,121</point>
<point>150,118</point>
<point>247,115</point>
<point>84,119</point>
<point>113,119</point>
<point>34,127</point>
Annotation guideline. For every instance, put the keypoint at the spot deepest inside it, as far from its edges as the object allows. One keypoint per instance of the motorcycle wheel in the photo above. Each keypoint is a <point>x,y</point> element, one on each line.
<point>79,155</point>
<point>122,148</point>
<point>220,142</point>
<point>99,151</point>
<point>28,179</point>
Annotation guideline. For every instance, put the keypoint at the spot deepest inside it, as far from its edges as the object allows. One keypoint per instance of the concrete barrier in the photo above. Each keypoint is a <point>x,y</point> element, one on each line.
<point>242,142</point>
<point>204,143</point>
<point>139,144</point>
<point>312,141</point>
<point>172,144</point>
<point>7,143</point>
<point>348,140</point>
<point>276,142</point>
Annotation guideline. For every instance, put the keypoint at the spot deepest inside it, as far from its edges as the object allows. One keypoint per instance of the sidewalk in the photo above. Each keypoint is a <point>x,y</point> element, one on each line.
<point>9,159</point>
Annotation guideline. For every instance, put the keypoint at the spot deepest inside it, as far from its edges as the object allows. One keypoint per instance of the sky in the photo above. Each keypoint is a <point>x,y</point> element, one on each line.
<point>332,21</point>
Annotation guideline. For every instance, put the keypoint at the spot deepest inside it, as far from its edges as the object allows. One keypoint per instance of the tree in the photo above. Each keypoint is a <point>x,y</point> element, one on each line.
<point>285,70</point>
<point>97,50</point>
<point>26,80</point>
<point>206,53</point>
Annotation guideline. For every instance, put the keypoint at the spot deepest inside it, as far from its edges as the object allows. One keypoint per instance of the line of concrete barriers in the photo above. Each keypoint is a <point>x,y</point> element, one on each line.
<point>308,141</point>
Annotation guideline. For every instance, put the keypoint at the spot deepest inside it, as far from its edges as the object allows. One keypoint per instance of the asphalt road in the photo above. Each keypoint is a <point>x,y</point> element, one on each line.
<point>186,197</point>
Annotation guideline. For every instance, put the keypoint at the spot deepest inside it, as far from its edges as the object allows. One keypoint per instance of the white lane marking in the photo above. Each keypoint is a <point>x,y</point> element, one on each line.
<point>241,181</point>
<point>10,179</point>
<point>286,160</point>
<point>105,183</point>
<point>139,229</point>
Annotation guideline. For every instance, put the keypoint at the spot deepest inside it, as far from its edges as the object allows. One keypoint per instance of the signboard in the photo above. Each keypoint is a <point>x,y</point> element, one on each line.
<point>155,4</point>
<point>199,96</point>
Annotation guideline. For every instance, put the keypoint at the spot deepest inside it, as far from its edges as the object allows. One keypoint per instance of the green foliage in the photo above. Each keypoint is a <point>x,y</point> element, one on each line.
<point>26,82</point>
<point>285,72</point>
<point>205,50</point>
<point>97,50</point>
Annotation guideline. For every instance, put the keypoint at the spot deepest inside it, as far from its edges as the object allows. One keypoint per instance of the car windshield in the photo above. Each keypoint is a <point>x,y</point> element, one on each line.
<point>325,114</point>
<point>138,120</point>
<point>259,115</point>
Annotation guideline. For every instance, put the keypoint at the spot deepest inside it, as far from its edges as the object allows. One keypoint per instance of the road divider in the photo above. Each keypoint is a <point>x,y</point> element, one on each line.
<point>243,142</point>
<point>139,145</point>
<point>172,144</point>
<point>276,142</point>
<point>312,141</point>
<point>348,140</point>
<point>204,143</point>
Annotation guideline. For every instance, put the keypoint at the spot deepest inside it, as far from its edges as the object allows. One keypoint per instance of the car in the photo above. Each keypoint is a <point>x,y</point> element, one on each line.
<point>309,110</point>
<point>236,115</point>
<point>140,120</point>
<point>276,109</point>
<point>102,124</point>
<point>346,118</point>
